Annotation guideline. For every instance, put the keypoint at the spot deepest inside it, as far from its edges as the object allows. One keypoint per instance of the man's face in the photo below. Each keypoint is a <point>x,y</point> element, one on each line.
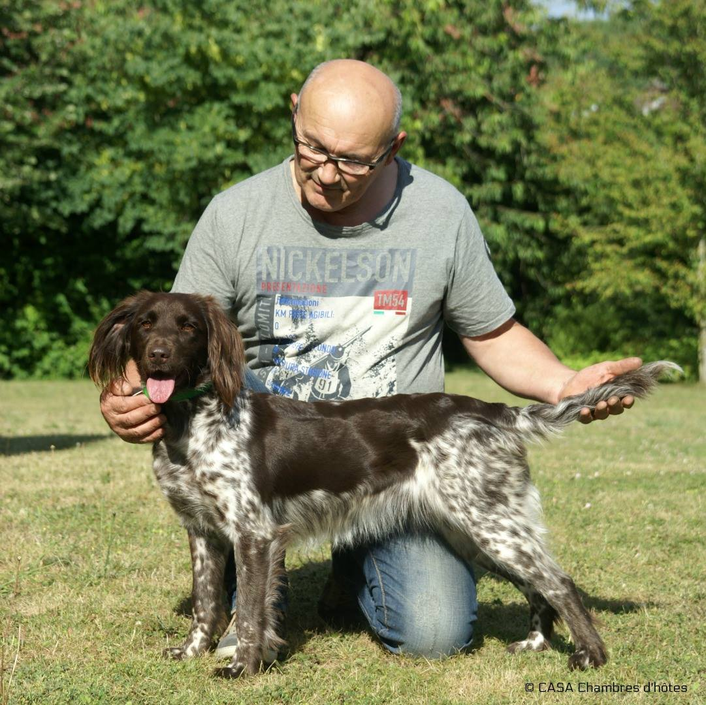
<point>341,134</point>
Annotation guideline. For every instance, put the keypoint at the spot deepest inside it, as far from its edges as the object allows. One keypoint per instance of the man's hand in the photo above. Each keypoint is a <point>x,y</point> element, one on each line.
<point>134,419</point>
<point>594,376</point>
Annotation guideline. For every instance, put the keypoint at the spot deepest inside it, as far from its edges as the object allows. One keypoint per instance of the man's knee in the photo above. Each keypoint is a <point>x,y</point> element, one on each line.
<point>430,635</point>
<point>418,596</point>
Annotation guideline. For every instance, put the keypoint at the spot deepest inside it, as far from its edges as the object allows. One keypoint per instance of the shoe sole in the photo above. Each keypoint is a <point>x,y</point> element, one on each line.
<point>225,651</point>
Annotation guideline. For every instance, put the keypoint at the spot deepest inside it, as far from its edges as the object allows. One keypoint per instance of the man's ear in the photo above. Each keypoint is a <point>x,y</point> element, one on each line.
<point>295,99</point>
<point>399,141</point>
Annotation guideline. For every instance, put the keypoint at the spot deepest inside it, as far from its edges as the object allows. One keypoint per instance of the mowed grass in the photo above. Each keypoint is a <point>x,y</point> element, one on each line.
<point>95,573</point>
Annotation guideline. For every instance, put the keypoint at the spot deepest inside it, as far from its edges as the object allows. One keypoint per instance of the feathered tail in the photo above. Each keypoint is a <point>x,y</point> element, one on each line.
<point>539,420</point>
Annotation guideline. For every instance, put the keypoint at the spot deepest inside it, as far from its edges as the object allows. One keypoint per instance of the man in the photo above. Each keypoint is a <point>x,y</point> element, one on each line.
<point>339,267</point>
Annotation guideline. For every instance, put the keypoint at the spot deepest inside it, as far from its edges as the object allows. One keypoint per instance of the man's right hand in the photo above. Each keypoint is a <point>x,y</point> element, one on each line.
<point>134,418</point>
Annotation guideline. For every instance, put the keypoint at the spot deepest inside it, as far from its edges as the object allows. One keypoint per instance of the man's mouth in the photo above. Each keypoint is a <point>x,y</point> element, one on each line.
<point>326,189</point>
<point>159,390</point>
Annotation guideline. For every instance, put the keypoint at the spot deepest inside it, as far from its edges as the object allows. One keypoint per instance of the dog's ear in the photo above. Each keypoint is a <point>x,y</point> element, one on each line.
<point>110,351</point>
<point>226,353</point>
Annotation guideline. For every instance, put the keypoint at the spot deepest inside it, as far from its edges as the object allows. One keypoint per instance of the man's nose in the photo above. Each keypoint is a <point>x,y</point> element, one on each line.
<point>328,173</point>
<point>158,354</point>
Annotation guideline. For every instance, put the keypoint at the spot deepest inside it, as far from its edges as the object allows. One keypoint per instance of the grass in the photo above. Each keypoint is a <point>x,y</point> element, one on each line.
<point>95,576</point>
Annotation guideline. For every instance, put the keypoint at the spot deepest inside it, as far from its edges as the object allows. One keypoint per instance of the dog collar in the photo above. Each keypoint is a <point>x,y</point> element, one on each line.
<point>185,393</point>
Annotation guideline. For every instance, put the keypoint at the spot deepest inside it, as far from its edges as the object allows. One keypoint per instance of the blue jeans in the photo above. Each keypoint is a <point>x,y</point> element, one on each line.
<point>416,594</point>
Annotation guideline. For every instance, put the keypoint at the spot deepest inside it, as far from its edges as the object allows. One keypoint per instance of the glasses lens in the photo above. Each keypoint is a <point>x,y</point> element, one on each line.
<point>310,155</point>
<point>352,168</point>
<point>306,152</point>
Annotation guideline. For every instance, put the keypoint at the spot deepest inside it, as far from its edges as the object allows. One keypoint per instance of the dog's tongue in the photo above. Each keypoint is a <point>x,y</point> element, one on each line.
<point>159,389</point>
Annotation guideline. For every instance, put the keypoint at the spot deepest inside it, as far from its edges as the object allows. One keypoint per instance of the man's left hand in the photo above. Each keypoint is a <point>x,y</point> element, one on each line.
<point>594,376</point>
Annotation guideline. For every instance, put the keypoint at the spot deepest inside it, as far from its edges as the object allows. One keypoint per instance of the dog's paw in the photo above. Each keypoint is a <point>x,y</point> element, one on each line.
<point>535,641</point>
<point>584,658</point>
<point>231,671</point>
<point>175,653</point>
<point>242,665</point>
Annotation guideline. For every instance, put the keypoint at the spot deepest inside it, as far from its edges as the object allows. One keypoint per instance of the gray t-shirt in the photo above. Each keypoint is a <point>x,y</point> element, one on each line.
<point>345,312</point>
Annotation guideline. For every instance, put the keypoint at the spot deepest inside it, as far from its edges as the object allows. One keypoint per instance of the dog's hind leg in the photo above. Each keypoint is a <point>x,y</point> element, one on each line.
<point>560,592</point>
<point>208,558</point>
<point>515,547</point>
<point>258,560</point>
<point>542,614</point>
<point>523,555</point>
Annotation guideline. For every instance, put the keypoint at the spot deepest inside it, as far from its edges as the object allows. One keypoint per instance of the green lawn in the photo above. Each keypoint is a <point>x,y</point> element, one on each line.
<point>95,574</point>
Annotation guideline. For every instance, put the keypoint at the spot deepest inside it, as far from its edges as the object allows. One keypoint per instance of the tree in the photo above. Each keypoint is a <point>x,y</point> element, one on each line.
<point>615,143</point>
<point>675,49</point>
<point>121,120</point>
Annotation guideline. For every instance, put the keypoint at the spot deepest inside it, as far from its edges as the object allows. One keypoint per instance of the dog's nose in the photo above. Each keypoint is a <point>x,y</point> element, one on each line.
<point>159,354</point>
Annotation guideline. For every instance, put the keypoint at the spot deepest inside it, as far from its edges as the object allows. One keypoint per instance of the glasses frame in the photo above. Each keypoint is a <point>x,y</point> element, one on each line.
<point>338,160</point>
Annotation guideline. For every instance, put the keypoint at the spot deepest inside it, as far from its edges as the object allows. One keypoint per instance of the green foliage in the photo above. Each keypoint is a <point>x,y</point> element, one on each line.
<point>624,202</point>
<point>675,51</point>
<point>121,120</point>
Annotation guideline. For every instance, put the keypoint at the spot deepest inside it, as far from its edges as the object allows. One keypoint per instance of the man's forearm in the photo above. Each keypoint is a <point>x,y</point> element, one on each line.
<point>519,362</point>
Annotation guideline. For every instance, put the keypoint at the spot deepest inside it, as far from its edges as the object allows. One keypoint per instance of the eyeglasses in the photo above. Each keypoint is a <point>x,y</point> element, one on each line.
<point>317,156</point>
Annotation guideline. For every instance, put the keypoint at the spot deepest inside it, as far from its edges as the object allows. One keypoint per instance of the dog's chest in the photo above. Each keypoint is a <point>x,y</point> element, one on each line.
<point>203,482</point>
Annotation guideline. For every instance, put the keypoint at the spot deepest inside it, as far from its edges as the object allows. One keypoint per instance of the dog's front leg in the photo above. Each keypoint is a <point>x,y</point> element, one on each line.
<point>208,559</point>
<point>259,560</point>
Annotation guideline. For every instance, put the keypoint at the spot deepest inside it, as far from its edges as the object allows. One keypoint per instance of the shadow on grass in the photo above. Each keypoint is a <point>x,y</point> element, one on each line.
<point>509,622</point>
<point>591,602</point>
<point>17,445</point>
<point>506,622</point>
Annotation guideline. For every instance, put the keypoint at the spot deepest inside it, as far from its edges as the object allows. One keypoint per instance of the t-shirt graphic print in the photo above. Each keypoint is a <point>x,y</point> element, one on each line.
<point>330,319</point>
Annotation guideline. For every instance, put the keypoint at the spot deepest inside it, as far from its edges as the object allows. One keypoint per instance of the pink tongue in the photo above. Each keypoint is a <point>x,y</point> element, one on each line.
<point>160,389</point>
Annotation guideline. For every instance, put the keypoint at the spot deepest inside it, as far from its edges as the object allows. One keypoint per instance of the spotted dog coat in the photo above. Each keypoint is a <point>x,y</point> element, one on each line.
<point>256,472</point>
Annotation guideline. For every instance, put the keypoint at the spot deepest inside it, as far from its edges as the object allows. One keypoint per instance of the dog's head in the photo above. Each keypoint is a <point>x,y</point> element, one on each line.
<point>177,341</point>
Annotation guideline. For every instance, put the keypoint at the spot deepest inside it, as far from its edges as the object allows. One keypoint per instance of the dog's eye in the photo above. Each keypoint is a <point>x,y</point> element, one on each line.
<point>187,327</point>
<point>146,324</point>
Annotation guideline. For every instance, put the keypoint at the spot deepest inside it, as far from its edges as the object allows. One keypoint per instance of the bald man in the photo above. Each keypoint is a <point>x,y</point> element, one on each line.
<point>340,267</point>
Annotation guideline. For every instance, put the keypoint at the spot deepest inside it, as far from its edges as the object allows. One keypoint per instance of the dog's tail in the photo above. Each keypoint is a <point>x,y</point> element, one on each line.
<point>540,420</point>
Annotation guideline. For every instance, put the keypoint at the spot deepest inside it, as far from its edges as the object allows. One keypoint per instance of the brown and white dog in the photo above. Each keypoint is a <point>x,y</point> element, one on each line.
<point>255,472</point>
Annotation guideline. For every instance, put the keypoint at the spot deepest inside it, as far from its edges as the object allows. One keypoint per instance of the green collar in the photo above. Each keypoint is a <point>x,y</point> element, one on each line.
<point>185,393</point>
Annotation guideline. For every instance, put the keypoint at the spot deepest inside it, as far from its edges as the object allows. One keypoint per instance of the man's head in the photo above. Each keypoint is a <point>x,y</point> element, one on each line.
<point>347,109</point>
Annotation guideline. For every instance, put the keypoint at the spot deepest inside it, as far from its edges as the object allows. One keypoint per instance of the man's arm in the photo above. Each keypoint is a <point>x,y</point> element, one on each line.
<point>521,363</point>
<point>134,418</point>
